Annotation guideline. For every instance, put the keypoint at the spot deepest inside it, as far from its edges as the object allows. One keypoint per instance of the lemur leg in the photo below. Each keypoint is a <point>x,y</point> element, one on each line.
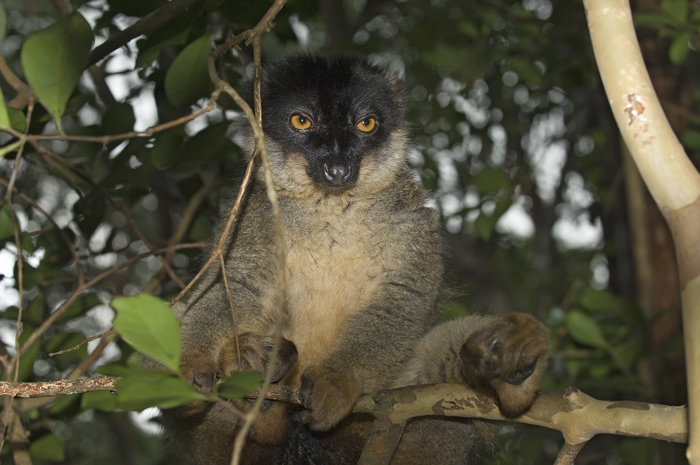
<point>505,356</point>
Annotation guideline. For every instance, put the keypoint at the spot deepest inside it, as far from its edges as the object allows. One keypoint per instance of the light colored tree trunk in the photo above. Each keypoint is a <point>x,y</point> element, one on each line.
<point>668,173</point>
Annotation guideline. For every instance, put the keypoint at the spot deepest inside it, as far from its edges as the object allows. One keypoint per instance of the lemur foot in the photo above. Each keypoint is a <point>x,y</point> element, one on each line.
<point>508,356</point>
<point>328,397</point>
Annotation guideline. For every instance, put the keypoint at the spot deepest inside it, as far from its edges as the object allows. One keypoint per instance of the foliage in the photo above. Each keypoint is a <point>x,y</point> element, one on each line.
<point>512,134</point>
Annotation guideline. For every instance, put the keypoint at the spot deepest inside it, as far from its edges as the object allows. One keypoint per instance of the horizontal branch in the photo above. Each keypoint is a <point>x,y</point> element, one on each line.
<point>578,416</point>
<point>61,387</point>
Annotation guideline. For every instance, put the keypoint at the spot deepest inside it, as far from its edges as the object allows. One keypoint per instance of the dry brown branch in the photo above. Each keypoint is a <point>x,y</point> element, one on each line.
<point>211,104</point>
<point>18,437</point>
<point>255,120</point>
<point>78,346</point>
<point>668,173</point>
<point>61,387</point>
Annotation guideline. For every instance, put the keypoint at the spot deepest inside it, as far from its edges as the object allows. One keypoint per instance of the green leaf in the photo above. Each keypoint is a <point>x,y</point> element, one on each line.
<point>676,8</point>
<point>453,310</point>
<point>149,50</point>
<point>187,78</point>
<point>3,23</point>
<point>33,314</point>
<point>585,330</point>
<point>691,139</point>
<point>599,370</point>
<point>48,447</point>
<point>486,222</point>
<point>483,225</point>
<point>65,407</point>
<point>628,353</point>
<point>113,369</point>
<point>79,307</point>
<point>4,116</point>
<point>526,70</point>
<point>17,119</point>
<point>104,401</point>
<point>638,451</point>
<point>490,180</point>
<point>149,326</point>
<point>679,49</point>
<point>26,362</point>
<point>166,148</point>
<point>210,144</point>
<point>7,229</point>
<point>653,20</point>
<point>142,389</point>
<point>598,300</point>
<point>240,384</point>
<point>53,60</point>
<point>118,119</point>
<point>10,148</point>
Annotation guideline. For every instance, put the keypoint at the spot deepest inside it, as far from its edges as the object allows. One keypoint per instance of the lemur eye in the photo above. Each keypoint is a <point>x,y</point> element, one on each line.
<point>300,122</point>
<point>367,125</point>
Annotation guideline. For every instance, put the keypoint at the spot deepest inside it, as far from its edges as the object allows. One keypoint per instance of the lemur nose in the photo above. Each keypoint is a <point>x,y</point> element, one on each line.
<point>337,174</point>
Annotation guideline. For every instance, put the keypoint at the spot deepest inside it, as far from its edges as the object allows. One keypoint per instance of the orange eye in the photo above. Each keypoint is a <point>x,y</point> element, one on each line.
<point>300,122</point>
<point>367,124</point>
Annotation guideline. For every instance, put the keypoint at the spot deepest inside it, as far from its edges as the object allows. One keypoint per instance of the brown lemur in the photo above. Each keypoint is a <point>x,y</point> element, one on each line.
<point>364,269</point>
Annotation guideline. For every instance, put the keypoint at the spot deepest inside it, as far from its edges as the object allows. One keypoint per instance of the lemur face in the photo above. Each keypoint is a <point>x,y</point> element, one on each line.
<point>329,119</point>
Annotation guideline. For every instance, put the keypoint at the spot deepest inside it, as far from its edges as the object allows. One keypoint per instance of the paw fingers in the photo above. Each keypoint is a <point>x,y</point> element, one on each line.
<point>327,397</point>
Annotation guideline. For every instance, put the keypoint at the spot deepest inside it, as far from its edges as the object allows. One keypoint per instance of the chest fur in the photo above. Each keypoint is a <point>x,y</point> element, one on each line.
<point>335,260</point>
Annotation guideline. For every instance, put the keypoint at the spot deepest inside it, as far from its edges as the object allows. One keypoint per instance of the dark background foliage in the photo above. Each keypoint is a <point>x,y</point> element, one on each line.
<point>512,133</point>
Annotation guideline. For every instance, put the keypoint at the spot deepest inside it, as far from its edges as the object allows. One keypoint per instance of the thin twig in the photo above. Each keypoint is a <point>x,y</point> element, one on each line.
<point>78,346</point>
<point>230,303</point>
<point>61,232</point>
<point>59,160</point>
<point>187,217</point>
<point>88,284</point>
<point>106,139</point>
<point>256,125</point>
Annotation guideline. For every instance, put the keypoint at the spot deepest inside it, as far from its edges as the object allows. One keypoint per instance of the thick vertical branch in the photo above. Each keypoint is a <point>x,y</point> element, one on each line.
<point>672,179</point>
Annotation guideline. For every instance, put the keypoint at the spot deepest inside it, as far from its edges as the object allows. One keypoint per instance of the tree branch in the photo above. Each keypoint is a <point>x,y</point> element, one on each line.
<point>144,25</point>
<point>578,416</point>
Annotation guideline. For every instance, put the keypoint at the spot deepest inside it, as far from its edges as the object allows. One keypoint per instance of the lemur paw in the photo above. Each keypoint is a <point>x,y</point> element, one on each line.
<point>255,353</point>
<point>509,356</point>
<point>203,369</point>
<point>200,369</point>
<point>329,397</point>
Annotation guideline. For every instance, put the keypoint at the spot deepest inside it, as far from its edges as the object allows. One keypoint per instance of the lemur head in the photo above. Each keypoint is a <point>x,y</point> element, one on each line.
<point>333,124</point>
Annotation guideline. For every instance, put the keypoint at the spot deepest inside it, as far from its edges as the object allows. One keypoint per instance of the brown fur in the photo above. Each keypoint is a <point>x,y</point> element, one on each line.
<point>364,271</point>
